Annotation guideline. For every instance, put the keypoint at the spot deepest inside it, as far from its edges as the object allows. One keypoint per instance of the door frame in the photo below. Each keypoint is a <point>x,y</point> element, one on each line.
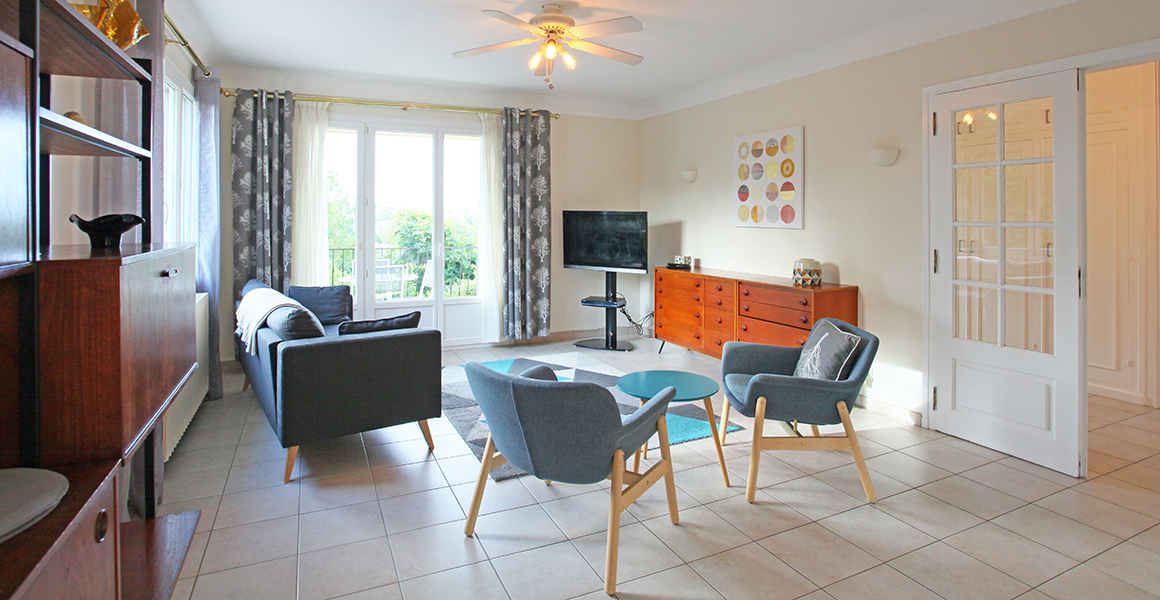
<point>1093,61</point>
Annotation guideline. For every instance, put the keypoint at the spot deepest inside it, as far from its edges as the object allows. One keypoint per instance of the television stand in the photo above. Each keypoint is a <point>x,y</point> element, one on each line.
<point>610,302</point>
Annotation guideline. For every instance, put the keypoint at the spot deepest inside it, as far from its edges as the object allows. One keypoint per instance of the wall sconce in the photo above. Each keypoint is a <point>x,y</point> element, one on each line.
<point>883,157</point>
<point>689,175</point>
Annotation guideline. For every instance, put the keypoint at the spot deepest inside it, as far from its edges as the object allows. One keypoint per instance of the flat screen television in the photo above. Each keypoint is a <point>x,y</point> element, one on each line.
<point>602,240</point>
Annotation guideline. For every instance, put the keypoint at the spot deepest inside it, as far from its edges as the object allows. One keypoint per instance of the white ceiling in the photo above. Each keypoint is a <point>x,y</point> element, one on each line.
<point>694,51</point>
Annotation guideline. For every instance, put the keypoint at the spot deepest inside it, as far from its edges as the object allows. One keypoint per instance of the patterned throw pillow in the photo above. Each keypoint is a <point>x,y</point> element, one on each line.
<point>827,353</point>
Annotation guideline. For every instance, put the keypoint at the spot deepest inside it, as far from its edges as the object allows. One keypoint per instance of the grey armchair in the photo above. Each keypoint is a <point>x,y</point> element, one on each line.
<point>759,383</point>
<point>570,432</point>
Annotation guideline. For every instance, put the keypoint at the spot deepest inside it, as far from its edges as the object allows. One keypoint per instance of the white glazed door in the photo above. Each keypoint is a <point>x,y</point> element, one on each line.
<point>1007,366</point>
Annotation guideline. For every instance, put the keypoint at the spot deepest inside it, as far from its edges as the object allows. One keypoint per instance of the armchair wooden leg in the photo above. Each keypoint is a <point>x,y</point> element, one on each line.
<point>817,433</point>
<point>755,452</point>
<point>867,485</point>
<point>245,383</point>
<point>725,406</point>
<point>716,438</point>
<point>291,456</point>
<point>670,483</point>
<point>614,521</point>
<point>491,460</point>
<point>427,434</point>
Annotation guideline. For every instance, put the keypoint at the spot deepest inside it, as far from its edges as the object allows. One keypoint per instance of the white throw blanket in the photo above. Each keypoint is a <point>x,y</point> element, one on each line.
<point>253,310</point>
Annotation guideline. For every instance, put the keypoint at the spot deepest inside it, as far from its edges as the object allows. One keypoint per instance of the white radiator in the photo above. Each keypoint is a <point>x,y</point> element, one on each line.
<point>179,414</point>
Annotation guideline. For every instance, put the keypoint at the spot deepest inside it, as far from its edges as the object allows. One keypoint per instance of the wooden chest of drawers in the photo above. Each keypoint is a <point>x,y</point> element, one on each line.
<point>701,309</point>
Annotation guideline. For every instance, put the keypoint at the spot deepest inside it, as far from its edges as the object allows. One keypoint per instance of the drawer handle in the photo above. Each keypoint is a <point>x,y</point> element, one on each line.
<point>802,318</point>
<point>745,307</point>
<point>660,278</point>
<point>744,328</point>
<point>697,284</point>
<point>696,315</point>
<point>101,528</point>
<point>744,291</point>
<point>801,341</point>
<point>803,301</point>
<point>696,336</point>
<point>718,302</point>
<point>696,298</point>
<point>659,325</point>
<point>718,319</point>
<point>719,288</point>
<point>660,307</point>
<point>718,342</point>
<point>169,273</point>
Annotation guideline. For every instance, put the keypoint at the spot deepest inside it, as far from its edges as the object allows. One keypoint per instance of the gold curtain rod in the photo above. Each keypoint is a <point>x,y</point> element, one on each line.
<point>185,44</point>
<point>401,105</point>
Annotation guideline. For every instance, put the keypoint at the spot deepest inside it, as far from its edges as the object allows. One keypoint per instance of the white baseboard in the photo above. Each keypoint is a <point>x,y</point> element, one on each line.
<point>890,410</point>
<point>1116,394</point>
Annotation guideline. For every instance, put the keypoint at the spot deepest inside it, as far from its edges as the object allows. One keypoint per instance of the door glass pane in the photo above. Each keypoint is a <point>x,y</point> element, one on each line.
<point>340,164</point>
<point>461,185</point>
<point>977,254</point>
<point>1028,321</point>
<point>404,196</point>
<point>1030,257</point>
<point>976,314</point>
<point>1029,193</point>
<point>976,133</point>
<point>1027,129</point>
<point>977,195</point>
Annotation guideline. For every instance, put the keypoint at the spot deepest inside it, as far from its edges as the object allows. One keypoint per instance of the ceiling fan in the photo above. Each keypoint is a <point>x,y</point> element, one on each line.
<point>554,30</point>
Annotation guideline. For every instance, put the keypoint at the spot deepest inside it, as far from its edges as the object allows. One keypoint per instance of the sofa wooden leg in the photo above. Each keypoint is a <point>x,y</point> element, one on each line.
<point>245,383</point>
<point>427,434</point>
<point>291,456</point>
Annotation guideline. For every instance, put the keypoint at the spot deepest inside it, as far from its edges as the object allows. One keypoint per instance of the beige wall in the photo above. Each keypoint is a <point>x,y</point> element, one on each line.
<point>865,223</point>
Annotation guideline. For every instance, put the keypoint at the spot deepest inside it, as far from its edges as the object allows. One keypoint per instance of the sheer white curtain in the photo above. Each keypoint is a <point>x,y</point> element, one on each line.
<point>491,238</point>
<point>308,237</point>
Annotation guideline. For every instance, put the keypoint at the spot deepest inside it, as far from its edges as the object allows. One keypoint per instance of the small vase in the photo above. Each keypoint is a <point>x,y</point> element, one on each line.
<point>807,271</point>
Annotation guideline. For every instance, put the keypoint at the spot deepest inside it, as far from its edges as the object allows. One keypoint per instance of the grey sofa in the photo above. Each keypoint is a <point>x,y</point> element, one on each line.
<point>321,388</point>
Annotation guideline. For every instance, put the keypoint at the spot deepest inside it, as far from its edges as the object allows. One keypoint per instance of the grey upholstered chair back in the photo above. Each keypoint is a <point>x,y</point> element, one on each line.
<point>557,430</point>
<point>864,355</point>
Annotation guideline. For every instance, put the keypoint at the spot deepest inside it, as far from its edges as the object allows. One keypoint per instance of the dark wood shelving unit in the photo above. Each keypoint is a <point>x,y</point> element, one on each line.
<point>70,45</point>
<point>62,136</point>
<point>159,545</point>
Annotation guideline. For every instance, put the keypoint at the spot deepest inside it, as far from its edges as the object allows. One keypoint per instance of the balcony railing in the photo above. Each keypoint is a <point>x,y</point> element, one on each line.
<point>399,275</point>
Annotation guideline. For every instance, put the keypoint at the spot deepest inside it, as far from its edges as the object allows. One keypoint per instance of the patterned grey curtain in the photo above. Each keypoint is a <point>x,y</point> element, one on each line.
<point>261,163</point>
<point>527,223</point>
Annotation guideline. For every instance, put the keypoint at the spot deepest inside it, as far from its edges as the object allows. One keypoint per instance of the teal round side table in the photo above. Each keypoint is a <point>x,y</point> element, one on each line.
<point>690,387</point>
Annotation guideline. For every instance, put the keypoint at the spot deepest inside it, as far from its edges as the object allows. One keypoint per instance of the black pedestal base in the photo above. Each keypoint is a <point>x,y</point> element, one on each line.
<point>599,344</point>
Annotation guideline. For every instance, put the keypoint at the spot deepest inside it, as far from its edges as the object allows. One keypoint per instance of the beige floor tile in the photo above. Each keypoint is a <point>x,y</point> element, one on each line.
<point>876,532</point>
<point>819,554</point>
<point>699,534</point>
<point>399,453</point>
<point>813,498</point>
<point>752,573</point>
<point>250,544</point>
<point>1028,561</point>
<point>497,495</point>
<point>1100,514</point>
<point>421,509</point>
<point>640,553</point>
<point>849,480</point>
<point>956,576</point>
<point>450,446</point>
<point>810,462</point>
<point>1118,448</point>
<point>260,475</point>
<point>1085,583</point>
<point>460,469</point>
<point>1132,564</point>
<point>1094,423</point>
<point>449,358</point>
<point>471,582</point>
<point>543,492</point>
<point>192,485</point>
<point>1107,413</point>
<point>770,471</point>
<point>1123,494</point>
<point>318,461</point>
<point>196,438</point>
<point>345,569</point>
<point>1139,475</point>
<point>880,583</point>
<point>1100,463</point>
<point>1132,435</point>
<point>585,514</point>
<point>973,448</point>
<point>684,458</point>
<point>185,461</point>
<point>945,456</point>
<point>892,437</point>
<point>519,529</point>
<point>1012,482</point>
<point>183,590</point>
<point>1147,422</point>
<point>1057,532</point>
<point>655,503</point>
<point>818,595</point>
<point>272,580</point>
<point>208,507</point>
<point>408,479</point>
<point>973,497</point>
<point>906,469</point>
<point>257,505</point>
<point>193,556</point>
<point>1118,404</point>
<point>338,526</point>
<point>257,432</point>
<point>1149,539</point>
<point>928,514</point>
<point>476,354</point>
<point>763,518</point>
<point>424,551</point>
<point>386,592</point>
<point>397,433</point>
<point>332,492</point>
<point>260,451</point>
<point>680,583</point>
<point>524,576</point>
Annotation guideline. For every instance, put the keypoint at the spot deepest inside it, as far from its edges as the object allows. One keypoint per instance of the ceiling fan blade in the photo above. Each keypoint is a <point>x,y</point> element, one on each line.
<point>606,52</point>
<point>482,49</point>
<point>609,27</point>
<point>506,18</point>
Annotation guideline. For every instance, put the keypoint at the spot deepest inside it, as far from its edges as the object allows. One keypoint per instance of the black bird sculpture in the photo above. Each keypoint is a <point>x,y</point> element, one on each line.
<point>105,231</point>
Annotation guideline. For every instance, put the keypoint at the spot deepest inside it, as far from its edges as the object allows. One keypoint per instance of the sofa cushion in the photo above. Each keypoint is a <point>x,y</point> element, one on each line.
<point>294,323</point>
<point>331,304</point>
<point>251,285</point>
<point>827,353</point>
<point>407,321</point>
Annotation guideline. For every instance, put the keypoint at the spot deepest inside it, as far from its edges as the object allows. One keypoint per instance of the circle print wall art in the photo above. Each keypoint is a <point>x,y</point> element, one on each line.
<point>769,164</point>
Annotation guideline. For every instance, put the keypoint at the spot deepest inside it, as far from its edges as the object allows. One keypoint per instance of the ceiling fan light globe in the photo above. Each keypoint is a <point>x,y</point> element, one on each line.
<point>550,50</point>
<point>568,60</point>
<point>535,62</point>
